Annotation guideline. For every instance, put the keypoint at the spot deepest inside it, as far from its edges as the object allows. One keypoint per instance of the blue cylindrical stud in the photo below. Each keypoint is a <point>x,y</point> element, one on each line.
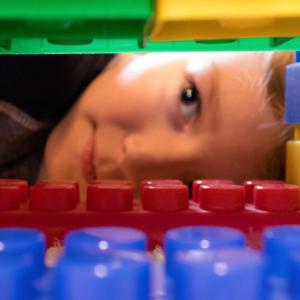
<point>113,275</point>
<point>294,275</point>
<point>22,242</point>
<point>233,274</point>
<point>16,273</point>
<point>96,239</point>
<point>201,237</point>
<point>279,243</point>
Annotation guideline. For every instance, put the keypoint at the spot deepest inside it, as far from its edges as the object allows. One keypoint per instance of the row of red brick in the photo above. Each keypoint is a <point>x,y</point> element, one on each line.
<point>156,195</point>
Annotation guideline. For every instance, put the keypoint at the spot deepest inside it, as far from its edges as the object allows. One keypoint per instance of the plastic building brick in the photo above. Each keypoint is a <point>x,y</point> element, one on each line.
<point>294,275</point>
<point>109,197</point>
<point>94,240</point>
<point>249,186</point>
<point>58,215</point>
<point>197,238</point>
<point>222,197</point>
<point>276,197</point>
<point>72,23</point>
<point>220,19</point>
<point>198,183</point>
<point>165,197</point>
<point>26,243</point>
<point>224,274</point>
<point>293,162</point>
<point>123,45</point>
<point>281,248</point>
<point>106,262</point>
<point>292,108</point>
<point>12,185</point>
<point>297,56</point>
<point>126,26</point>
<point>279,243</point>
<point>22,262</point>
<point>42,196</point>
<point>110,275</point>
<point>292,116</point>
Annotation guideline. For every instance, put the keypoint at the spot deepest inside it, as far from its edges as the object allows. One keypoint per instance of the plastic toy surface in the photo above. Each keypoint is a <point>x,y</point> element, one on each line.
<point>219,19</point>
<point>54,207</point>
<point>106,262</point>
<point>106,239</point>
<point>146,25</point>
<point>292,116</point>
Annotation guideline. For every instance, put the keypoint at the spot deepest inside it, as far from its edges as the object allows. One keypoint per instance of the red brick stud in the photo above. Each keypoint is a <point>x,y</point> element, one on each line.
<point>249,186</point>
<point>53,196</point>
<point>222,197</point>
<point>277,198</point>
<point>199,182</point>
<point>71,182</point>
<point>9,197</point>
<point>20,183</point>
<point>147,182</point>
<point>109,197</point>
<point>165,197</point>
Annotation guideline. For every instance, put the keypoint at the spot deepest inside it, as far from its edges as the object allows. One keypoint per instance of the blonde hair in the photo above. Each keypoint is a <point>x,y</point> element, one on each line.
<point>275,167</point>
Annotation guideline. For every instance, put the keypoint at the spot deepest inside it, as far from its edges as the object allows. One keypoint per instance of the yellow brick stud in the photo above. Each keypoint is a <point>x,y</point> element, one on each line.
<point>225,19</point>
<point>293,158</point>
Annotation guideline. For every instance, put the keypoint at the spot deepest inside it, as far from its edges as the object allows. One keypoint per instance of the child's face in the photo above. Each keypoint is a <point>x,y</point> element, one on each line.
<point>202,115</point>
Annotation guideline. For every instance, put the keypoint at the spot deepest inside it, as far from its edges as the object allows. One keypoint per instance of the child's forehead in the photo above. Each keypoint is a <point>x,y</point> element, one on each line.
<point>194,61</point>
<point>200,61</point>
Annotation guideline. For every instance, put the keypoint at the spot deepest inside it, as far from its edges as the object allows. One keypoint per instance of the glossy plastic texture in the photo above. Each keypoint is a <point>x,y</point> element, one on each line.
<point>292,94</point>
<point>91,241</point>
<point>63,25</point>
<point>200,238</point>
<point>21,184</point>
<point>198,183</point>
<point>279,243</point>
<point>276,197</point>
<point>294,276</point>
<point>165,197</point>
<point>293,162</point>
<point>297,56</point>
<point>113,275</point>
<point>233,274</point>
<point>22,242</point>
<point>131,25</point>
<point>231,19</point>
<point>55,224</point>
<point>222,197</point>
<point>249,186</point>
<point>109,197</point>
<point>53,196</point>
<point>17,275</point>
<point>129,45</point>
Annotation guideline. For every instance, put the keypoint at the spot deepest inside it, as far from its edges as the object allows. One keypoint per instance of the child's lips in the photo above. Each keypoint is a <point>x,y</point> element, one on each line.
<point>87,158</point>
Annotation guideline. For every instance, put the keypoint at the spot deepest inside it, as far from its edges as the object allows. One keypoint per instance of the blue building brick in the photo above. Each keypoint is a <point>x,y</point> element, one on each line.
<point>292,94</point>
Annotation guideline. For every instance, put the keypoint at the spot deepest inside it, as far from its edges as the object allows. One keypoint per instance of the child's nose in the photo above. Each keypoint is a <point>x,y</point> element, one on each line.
<point>157,149</point>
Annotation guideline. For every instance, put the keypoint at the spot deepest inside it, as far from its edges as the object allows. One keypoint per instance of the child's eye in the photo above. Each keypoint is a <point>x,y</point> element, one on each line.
<point>190,102</point>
